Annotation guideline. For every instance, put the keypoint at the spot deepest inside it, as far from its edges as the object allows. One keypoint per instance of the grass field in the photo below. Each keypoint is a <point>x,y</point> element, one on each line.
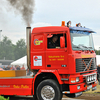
<point>96,91</point>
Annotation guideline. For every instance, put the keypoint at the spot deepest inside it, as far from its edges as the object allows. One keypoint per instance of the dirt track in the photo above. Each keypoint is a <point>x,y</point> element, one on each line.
<point>88,97</point>
<point>83,97</point>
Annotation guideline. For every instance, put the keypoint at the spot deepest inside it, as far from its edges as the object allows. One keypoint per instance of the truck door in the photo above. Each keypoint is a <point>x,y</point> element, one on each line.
<point>37,51</point>
<point>56,57</point>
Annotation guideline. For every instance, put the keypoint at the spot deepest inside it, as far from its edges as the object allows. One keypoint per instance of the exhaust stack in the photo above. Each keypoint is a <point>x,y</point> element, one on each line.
<point>28,43</point>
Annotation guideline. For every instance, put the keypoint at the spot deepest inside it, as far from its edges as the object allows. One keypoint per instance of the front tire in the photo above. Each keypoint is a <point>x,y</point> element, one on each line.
<point>48,90</point>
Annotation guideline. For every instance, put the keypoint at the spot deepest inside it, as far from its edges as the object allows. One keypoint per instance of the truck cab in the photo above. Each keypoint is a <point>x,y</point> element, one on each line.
<point>71,62</point>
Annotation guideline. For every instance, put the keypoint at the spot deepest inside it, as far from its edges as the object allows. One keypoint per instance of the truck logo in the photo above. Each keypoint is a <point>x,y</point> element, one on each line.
<point>37,60</point>
<point>87,67</point>
<point>37,42</point>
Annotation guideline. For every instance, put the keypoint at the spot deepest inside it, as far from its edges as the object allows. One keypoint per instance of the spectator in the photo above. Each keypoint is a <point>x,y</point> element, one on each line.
<point>7,68</point>
<point>28,72</point>
<point>17,67</point>
<point>23,68</point>
<point>98,73</point>
<point>13,68</point>
<point>4,67</point>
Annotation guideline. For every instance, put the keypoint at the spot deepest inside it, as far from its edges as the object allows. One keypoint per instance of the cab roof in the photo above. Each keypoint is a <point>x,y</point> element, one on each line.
<point>49,29</point>
<point>60,29</point>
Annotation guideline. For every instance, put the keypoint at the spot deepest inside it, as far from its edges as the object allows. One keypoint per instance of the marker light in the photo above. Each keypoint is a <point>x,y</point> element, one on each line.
<point>78,25</point>
<point>69,24</point>
<point>73,80</point>
<point>63,23</point>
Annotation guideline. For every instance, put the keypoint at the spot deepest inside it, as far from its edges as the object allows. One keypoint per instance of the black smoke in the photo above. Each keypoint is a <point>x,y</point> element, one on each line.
<point>25,8</point>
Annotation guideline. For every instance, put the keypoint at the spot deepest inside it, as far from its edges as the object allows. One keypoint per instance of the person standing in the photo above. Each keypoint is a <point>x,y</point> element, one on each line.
<point>7,68</point>
<point>4,67</point>
<point>98,73</point>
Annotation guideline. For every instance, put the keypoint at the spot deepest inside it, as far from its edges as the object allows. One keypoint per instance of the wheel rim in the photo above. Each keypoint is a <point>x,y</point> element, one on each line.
<point>47,93</point>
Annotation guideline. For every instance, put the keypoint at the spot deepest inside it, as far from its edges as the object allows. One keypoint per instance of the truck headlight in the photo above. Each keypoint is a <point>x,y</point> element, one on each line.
<point>77,79</point>
<point>88,78</point>
<point>92,77</point>
<point>95,77</point>
<point>72,80</point>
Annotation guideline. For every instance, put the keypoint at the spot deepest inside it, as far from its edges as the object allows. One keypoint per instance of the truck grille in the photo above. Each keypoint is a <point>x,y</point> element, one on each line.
<point>85,64</point>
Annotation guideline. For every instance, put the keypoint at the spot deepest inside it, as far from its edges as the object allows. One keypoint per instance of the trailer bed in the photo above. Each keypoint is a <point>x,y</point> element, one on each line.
<point>22,85</point>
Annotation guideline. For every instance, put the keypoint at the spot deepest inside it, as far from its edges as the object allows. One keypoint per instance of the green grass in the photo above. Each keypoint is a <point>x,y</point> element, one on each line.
<point>2,98</point>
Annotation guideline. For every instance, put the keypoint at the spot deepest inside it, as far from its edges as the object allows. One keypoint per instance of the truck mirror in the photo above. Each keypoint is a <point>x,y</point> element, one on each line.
<point>62,41</point>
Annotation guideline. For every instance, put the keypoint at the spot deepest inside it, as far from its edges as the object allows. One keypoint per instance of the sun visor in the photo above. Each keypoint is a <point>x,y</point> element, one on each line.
<point>86,30</point>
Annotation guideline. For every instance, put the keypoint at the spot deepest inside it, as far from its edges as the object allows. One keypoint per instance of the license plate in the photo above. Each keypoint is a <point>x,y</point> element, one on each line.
<point>89,87</point>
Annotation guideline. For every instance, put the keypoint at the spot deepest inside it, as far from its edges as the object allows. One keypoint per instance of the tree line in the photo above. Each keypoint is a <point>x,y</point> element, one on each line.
<point>97,52</point>
<point>10,51</point>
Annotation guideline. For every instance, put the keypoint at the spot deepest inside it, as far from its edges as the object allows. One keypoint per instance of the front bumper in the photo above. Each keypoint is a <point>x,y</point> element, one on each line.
<point>80,88</point>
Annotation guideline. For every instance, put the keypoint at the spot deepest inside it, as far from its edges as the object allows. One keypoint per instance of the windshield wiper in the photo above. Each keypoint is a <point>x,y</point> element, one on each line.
<point>86,47</point>
<point>77,47</point>
<point>90,47</point>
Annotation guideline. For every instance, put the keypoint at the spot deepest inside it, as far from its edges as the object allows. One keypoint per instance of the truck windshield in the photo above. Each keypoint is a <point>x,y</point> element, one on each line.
<point>81,40</point>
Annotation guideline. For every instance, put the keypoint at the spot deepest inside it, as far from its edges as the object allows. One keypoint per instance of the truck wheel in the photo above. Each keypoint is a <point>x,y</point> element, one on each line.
<point>48,90</point>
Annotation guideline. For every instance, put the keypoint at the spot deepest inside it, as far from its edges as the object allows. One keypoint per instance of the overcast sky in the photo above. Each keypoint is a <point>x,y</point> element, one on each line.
<point>52,12</point>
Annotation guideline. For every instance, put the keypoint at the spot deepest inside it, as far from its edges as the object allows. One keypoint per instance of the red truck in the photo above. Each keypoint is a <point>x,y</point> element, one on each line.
<point>67,67</point>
